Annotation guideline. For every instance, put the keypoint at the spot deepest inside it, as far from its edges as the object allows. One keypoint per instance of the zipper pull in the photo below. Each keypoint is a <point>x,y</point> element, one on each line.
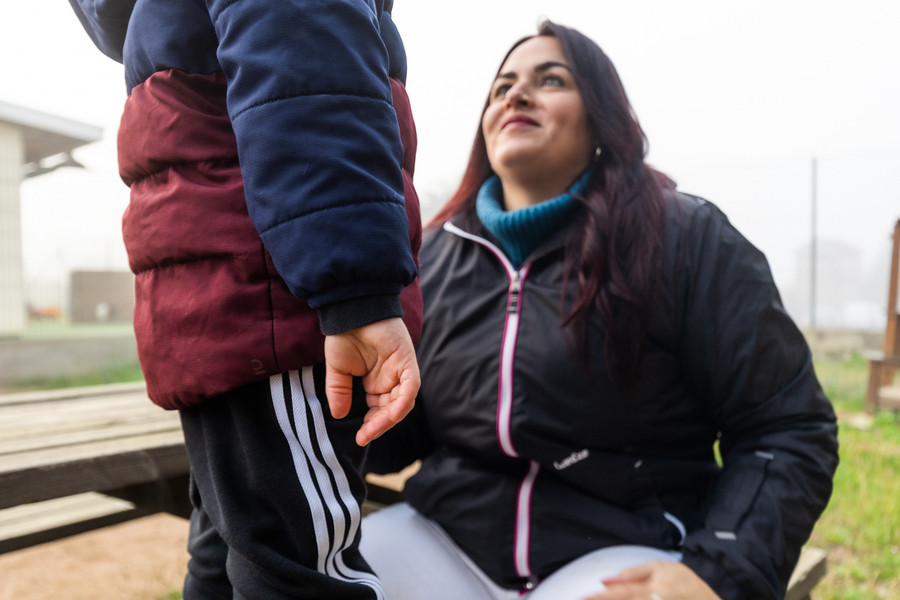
<point>513,305</point>
<point>529,584</point>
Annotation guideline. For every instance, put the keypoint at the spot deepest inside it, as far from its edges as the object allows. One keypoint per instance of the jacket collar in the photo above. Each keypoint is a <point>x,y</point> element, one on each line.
<point>470,223</point>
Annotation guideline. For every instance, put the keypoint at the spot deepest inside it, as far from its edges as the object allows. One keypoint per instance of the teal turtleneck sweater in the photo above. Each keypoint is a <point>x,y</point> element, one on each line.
<point>520,231</point>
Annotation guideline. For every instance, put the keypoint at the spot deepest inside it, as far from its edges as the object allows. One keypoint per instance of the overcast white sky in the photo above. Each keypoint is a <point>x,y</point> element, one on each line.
<point>736,99</point>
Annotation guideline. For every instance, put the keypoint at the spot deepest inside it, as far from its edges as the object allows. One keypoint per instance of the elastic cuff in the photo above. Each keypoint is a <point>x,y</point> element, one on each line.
<point>357,312</point>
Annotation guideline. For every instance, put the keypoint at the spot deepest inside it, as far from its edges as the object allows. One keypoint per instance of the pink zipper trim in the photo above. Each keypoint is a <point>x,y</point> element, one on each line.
<point>507,359</point>
<point>523,522</point>
<point>504,399</point>
<point>510,331</point>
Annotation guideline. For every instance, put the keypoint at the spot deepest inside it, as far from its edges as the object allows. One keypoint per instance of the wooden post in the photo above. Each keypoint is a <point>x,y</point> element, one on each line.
<point>891,337</point>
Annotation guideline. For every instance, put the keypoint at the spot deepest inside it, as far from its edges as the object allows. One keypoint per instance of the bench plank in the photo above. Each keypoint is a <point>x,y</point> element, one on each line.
<point>94,468</point>
<point>31,524</point>
<point>89,391</point>
<point>74,414</point>
<point>65,442</point>
<point>810,569</point>
<point>91,434</point>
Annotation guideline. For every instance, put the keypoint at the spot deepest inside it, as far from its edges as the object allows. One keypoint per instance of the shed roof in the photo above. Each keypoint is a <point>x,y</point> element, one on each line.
<point>46,134</point>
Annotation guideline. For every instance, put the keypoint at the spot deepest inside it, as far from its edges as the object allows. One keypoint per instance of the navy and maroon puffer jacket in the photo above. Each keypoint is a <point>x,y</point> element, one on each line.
<point>269,147</point>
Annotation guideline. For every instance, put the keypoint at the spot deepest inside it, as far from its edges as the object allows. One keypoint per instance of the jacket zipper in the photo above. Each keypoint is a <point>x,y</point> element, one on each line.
<point>504,405</point>
<point>514,289</point>
<point>507,358</point>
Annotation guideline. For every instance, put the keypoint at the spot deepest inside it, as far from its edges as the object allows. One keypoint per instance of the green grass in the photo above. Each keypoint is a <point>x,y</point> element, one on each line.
<point>113,372</point>
<point>118,373</point>
<point>64,329</point>
<point>860,528</point>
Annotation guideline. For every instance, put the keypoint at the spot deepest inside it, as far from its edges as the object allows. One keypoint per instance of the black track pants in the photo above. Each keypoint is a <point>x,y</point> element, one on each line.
<point>276,494</point>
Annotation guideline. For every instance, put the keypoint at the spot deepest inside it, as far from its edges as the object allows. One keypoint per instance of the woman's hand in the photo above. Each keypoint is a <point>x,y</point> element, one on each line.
<point>656,581</point>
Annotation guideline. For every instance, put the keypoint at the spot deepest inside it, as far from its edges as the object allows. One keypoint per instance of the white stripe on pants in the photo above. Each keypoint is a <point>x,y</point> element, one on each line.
<point>321,476</point>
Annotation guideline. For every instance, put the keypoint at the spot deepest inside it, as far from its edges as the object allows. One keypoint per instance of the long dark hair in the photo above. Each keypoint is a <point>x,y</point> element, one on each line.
<point>616,255</point>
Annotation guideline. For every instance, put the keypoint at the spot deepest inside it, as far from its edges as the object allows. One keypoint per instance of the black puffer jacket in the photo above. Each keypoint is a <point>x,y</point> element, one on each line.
<point>531,459</point>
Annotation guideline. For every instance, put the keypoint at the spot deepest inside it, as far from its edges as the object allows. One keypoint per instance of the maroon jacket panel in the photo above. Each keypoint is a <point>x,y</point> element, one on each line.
<point>211,312</point>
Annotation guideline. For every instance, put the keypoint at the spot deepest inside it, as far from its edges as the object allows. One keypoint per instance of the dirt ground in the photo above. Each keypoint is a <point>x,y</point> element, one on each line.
<point>144,559</point>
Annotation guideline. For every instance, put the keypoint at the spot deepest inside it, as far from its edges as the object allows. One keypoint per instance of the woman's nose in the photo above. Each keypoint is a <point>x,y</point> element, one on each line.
<point>517,96</point>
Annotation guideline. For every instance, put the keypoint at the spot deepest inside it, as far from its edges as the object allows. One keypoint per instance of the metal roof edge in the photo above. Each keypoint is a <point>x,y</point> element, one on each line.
<point>35,119</point>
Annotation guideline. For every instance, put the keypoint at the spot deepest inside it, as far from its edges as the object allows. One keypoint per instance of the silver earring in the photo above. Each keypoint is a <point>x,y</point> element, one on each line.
<point>597,152</point>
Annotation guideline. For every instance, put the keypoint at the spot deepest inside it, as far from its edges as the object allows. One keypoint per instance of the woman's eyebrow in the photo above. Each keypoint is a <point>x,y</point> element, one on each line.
<point>541,67</point>
<point>550,64</point>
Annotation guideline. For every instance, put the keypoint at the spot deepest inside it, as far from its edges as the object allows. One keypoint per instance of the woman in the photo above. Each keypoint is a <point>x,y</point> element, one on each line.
<point>589,335</point>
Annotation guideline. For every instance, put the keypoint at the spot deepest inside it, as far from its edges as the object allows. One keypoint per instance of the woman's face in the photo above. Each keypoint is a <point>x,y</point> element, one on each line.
<point>535,126</point>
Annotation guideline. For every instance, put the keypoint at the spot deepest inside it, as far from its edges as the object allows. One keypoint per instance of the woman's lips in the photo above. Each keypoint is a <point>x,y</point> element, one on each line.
<point>519,121</point>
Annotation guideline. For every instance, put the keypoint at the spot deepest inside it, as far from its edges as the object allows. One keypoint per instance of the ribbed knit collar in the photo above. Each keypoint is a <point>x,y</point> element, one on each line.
<point>520,231</point>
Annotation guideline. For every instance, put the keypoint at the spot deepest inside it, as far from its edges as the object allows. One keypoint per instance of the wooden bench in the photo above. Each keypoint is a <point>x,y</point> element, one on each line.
<point>56,446</point>
<point>79,459</point>
<point>881,391</point>
<point>810,570</point>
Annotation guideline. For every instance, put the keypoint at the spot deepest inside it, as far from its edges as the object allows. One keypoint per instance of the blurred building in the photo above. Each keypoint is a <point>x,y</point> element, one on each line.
<point>32,143</point>
<point>101,296</point>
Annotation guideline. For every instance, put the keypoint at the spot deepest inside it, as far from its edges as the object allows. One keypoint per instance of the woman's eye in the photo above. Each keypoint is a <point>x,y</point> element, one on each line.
<point>501,90</point>
<point>553,80</point>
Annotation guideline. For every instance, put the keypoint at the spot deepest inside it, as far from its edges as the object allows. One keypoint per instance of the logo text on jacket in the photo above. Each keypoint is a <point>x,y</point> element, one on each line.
<point>577,456</point>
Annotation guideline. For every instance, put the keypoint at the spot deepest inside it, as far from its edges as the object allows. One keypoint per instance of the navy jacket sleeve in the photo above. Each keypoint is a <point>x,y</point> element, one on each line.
<point>778,434</point>
<point>310,101</point>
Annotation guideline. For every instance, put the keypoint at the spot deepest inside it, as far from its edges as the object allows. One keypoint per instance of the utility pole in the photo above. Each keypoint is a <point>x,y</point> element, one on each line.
<point>813,247</point>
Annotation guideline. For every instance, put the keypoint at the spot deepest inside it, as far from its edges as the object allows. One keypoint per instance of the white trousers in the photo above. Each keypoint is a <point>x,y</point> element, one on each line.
<point>414,558</point>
